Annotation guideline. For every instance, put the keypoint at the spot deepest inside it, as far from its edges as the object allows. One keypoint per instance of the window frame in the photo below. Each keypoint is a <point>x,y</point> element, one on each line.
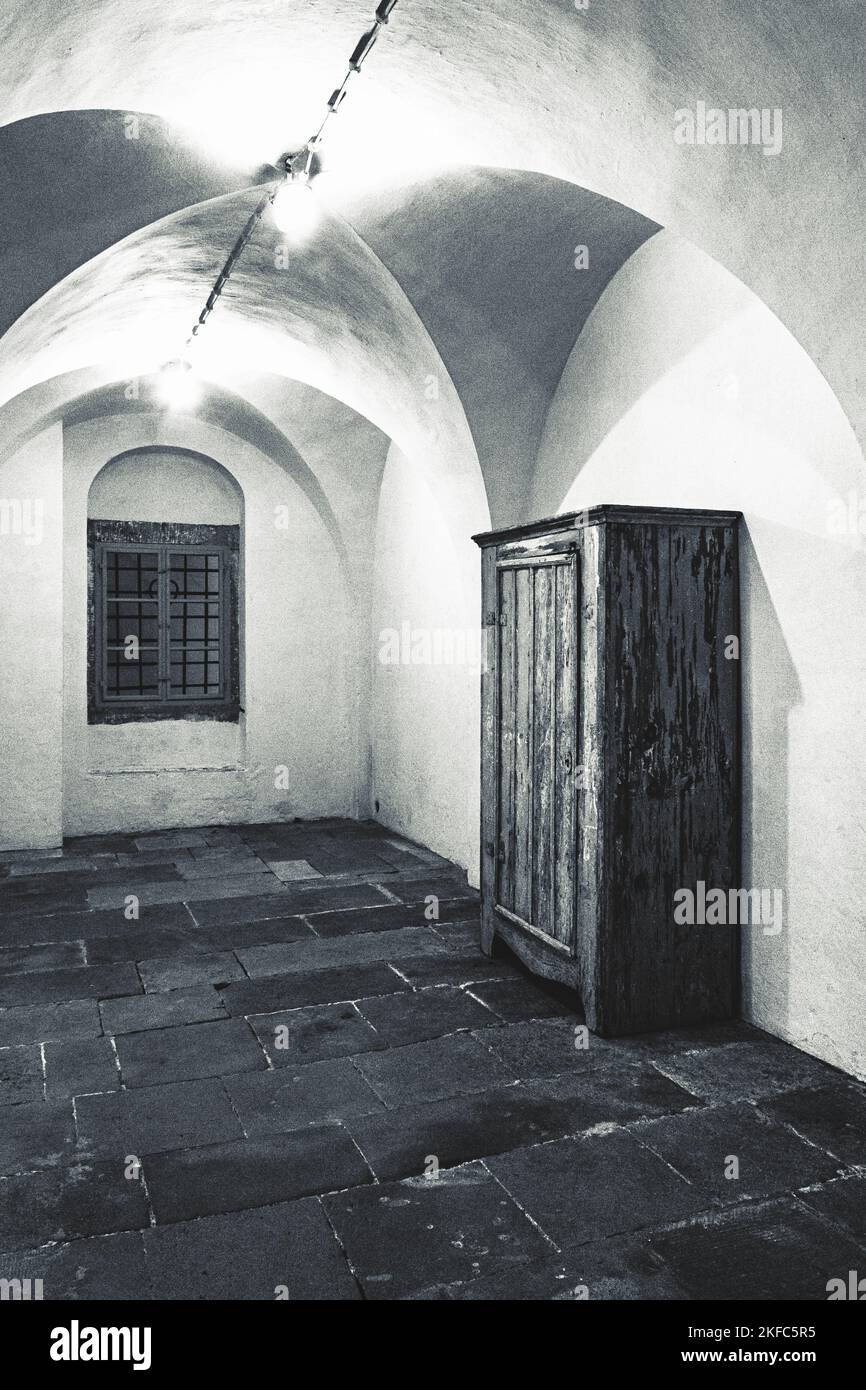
<point>105,537</point>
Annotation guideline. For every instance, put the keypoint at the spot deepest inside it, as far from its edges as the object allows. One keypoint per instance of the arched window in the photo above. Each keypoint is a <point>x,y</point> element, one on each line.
<point>163,539</point>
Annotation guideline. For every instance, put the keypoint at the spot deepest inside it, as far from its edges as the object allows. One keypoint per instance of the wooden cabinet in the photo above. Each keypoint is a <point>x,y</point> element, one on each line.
<point>610,757</point>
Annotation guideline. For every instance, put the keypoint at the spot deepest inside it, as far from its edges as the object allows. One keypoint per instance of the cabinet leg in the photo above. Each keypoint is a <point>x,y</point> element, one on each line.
<point>488,940</point>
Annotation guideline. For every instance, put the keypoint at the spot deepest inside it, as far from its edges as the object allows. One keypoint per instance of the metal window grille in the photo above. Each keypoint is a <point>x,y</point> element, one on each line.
<point>164,627</point>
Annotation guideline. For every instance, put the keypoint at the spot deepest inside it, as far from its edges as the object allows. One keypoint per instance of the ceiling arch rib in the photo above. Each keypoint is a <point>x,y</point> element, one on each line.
<point>229,413</point>
<point>76,182</point>
<point>334,317</point>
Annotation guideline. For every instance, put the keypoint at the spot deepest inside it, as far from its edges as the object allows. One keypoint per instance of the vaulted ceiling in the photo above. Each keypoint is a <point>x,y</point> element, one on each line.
<point>480,146</point>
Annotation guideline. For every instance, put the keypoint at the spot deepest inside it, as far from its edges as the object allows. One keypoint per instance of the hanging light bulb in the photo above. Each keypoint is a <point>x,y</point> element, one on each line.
<point>178,386</point>
<point>296,212</point>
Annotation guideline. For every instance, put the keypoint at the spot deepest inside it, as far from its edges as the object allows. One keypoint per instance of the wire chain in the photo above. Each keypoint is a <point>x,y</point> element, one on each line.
<point>231,261</point>
<point>299,162</point>
<point>361,51</point>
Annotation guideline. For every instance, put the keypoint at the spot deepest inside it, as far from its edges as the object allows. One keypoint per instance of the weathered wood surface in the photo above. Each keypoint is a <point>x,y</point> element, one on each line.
<point>508,734</point>
<point>536,701</point>
<point>671,780</point>
<point>542,721</point>
<point>519,833</point>
<point>591,849</point>
<point>489,739</point>
<point>565,760</point>
<point>611,719</point>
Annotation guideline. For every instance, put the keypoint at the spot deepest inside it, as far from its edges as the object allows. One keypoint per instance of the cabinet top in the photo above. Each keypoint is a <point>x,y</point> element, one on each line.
<point>602,515</point>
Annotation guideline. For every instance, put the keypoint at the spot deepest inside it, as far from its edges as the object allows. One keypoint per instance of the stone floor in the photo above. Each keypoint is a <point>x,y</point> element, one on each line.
<point>294,1075</point>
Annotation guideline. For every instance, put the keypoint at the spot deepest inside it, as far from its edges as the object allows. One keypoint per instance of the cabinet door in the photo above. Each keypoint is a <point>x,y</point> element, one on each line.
<point>536,774</point>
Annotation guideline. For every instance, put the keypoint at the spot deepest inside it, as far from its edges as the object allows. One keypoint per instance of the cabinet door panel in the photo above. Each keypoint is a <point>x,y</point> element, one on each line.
<point>566,772</point>
<point>521,828</point>
<point>543,739</point>
<point>537,739</point>
<point>507,735</point>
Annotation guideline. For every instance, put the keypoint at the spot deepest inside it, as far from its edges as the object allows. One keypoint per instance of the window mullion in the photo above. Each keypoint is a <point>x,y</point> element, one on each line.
<point>101,623</point>
<point>225,631</point>
<point>164,624</point>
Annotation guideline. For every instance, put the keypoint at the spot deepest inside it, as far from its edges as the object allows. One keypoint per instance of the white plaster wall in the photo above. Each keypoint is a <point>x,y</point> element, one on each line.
<point>161,484</point>
<point>346,453</point>
<point>297,653</point>
<point>31,639</point>
<point>683,390</point>
<point>426,717</point>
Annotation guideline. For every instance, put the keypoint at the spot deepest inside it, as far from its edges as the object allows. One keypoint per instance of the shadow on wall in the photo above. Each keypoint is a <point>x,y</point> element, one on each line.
<point>770,691</point>
<point>503,268</point>
<point>611,375</point>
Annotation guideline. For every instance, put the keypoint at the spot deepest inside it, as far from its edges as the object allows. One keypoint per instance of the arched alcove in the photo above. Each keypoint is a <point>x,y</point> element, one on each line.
<point>163,482</point>
<point>129,753</point>
<point>297,674</point>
